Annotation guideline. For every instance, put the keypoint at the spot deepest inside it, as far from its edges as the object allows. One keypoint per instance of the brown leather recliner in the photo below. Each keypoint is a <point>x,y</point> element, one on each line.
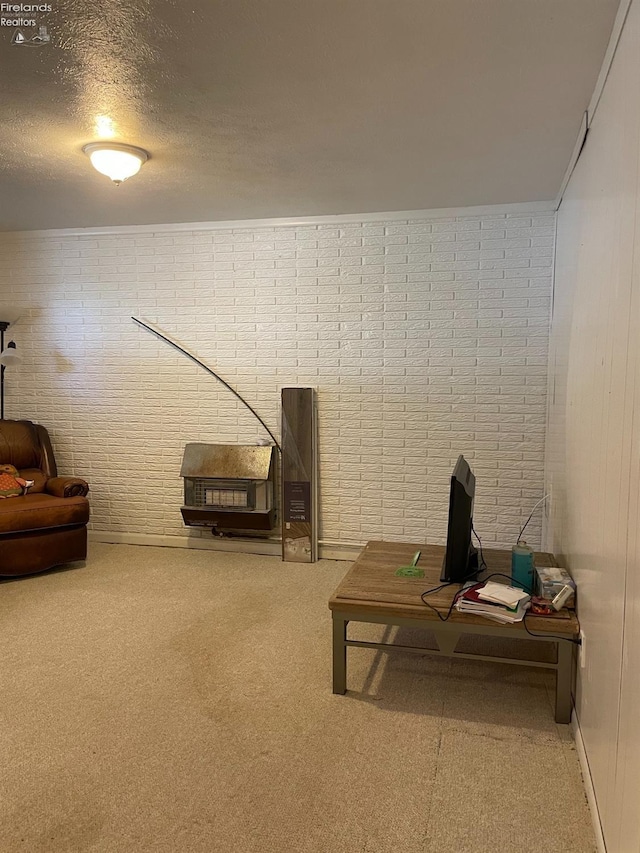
<point>47,526</point>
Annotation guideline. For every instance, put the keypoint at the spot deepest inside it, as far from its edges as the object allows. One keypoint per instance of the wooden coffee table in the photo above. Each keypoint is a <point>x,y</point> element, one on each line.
<point>371,592</point>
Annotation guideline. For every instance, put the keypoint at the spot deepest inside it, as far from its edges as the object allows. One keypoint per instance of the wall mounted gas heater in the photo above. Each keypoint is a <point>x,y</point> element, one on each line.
<point>229,487</point>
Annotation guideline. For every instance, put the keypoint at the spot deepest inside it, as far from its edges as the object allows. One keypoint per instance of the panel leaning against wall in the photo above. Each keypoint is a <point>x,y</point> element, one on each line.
<point>299,476</point>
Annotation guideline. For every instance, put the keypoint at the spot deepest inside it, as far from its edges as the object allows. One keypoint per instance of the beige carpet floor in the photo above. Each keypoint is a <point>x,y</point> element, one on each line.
<point>159,699</point>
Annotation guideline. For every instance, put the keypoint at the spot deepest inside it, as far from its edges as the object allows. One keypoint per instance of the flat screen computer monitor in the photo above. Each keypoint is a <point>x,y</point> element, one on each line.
<point>461,558</point>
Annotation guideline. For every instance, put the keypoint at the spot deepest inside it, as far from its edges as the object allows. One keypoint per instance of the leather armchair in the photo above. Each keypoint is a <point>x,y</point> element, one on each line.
<point>48,526</point>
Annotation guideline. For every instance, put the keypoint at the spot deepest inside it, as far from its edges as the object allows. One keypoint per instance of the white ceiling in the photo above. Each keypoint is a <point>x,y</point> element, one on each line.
<point>272,108</point>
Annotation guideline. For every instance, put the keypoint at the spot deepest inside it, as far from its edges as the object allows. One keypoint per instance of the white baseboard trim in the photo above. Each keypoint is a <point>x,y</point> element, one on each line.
<point>588,784</point>
<point>257,546</point>
<point>268,547</point>
<point>339,551</point>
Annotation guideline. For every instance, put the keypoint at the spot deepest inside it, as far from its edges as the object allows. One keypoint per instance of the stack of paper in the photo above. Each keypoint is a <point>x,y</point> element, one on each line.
<point>498,593</point>
<point>494,601</point>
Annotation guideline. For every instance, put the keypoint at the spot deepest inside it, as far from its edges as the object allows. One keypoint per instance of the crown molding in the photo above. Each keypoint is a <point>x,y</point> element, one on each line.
<point>614,39</point>
<point>534,207</point>
<point>587,118</point>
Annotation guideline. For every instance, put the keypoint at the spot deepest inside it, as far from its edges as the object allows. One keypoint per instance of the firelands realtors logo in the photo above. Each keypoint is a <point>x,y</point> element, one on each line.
<point>26,30</point>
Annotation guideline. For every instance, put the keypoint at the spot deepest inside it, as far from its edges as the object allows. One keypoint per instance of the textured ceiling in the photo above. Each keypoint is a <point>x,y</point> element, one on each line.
<point>269,108</point>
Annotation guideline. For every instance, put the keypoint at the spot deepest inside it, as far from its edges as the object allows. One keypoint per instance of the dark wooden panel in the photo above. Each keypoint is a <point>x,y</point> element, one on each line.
<point>299,536</point>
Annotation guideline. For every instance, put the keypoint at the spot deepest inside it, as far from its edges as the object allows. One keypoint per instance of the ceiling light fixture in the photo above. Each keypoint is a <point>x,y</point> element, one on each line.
<point>115,160</point>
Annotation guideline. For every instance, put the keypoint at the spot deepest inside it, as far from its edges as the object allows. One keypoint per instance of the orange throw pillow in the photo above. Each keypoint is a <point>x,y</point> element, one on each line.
<point>11,485</point>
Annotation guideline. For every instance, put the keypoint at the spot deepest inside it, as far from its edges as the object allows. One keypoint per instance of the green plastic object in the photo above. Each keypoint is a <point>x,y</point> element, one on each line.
<point>411,571</point>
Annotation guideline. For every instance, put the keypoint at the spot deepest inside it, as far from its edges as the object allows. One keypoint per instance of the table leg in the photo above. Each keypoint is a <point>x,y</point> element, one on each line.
<point>339,653</point>
<point>563,682</point>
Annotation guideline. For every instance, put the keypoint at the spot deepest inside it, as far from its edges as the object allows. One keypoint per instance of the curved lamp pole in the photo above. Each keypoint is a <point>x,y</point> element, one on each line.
<point>8,355</point>
<point>210,371</point>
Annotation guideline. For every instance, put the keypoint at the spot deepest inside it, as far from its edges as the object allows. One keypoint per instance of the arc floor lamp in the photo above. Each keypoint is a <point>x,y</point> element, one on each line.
<point>8,355</point>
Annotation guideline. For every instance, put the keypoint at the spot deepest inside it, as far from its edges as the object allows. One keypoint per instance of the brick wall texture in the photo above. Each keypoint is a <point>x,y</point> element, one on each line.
<point>425,339</point>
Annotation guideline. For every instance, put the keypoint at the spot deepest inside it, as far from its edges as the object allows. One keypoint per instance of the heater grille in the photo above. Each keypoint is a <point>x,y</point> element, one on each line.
<point>222,494</point>
<point>225,497</point>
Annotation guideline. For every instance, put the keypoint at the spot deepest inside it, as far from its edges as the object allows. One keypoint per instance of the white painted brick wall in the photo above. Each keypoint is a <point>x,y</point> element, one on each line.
<point>424,338</point>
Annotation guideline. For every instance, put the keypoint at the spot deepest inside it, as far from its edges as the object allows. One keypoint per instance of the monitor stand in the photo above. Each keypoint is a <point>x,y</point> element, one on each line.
<point>472,564</point>
<point>471,572</point>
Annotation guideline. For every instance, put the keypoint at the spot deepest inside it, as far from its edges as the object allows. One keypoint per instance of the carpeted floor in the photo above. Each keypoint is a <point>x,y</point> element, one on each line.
<point>171,701</point>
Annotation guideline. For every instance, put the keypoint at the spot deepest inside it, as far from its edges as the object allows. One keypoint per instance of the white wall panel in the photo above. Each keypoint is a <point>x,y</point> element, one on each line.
<point>627,789</point>
<point>592,432</point>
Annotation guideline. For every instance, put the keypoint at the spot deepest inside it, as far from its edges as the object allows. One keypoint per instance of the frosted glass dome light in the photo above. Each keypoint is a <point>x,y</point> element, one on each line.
<point>114,160</point>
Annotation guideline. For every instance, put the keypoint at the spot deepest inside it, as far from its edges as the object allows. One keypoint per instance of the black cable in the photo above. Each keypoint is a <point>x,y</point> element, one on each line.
<point>512,581</point>
<point>213,373</point>
<point>527,613</point>
<point>482,560</point>
<point>442,618</point>
<point>492,575</point>
<point>461,582</point>
<point>475,573</point>
<point>481,568</point>
<point>524,526</point>
<point>437,589</point>
<point>577,642</point>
